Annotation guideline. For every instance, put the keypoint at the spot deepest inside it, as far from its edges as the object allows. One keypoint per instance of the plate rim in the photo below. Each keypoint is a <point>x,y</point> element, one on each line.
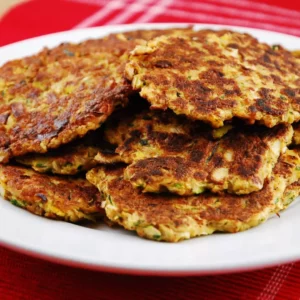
<point>152,25</point>
<point>123,269</point>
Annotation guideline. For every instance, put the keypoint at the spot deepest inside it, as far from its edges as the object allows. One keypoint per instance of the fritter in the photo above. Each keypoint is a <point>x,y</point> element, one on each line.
<point>58,95</point>
<point>67,160</point>
<point>144,34</point>
<point>214,76</point>
<point>162,133</point>
<point>167,217</point>
<point>170,152</point>
<point>296,136</point>
<point>69,199</point>
<point>296,53</point>
<point>291,193</point>
<point>72,158</point>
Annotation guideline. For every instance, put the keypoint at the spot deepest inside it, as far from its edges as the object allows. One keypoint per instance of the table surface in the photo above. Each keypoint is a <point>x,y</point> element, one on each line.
<point>24,277</point>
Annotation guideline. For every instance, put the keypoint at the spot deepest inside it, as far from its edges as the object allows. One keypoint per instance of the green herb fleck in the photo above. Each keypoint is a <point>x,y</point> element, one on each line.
<point>137,223</point>
<point>275,47</point>
<point>109,199</point>
<point>40,165</point>
<point>2,93</point>
<point>68,164</point>
<point>298,168</point>
<point>189,77</point>
<point>276,200</point>
<point>282,97</point>
<point>156,236</point>
<point>177,185</point>
<point>144,142</point>
<point>222,97</point>
<point>289,201</point>
<point>17,203</point>
<point>68,52</point>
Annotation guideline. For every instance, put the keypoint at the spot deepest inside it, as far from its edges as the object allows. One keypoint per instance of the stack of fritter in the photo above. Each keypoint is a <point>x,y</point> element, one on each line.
<point>195,135</point>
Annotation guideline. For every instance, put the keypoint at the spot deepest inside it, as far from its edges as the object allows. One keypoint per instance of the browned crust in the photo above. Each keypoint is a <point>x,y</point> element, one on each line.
<point>296,136</point>
<point>85,79</point>
<point>166,151</point>
<point>70,159</point>
<point>70,199</point>
<point>217,75</point>
<point>200,161</point>
<point>175,218</point>
<point>72,77</point>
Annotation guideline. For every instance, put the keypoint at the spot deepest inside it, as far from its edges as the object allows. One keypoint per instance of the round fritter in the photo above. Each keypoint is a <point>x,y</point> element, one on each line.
<point>296,53</point>
<point>143,133</point>
<point>165,217</point>
<point>214,76</point>
<point>51,98</point>
<point>73,158</point>
<point>66,160</point>
<point>58,95</point>
<point>144,34</point>
<point>147,134</point>
<point>291,193</point>
<point>169,152</point>
<point>69,199</point>
<point>296,136</point>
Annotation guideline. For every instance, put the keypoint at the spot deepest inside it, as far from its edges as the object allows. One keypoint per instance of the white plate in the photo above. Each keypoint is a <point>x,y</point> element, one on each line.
<point>106,249</point>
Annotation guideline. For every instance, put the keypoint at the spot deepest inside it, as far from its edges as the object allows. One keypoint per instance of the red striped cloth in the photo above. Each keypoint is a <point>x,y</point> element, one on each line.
<point>39,17</point>
<point>23,277</point>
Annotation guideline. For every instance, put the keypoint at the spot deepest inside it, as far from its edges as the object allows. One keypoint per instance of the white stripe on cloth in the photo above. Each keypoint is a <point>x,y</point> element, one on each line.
<point>154,11</point>
<point>98,2</point>
<point>101,13</point>
<point>246,4</point>
<point>241,13</point>
<point>258,6</point>
<point>275,283</point>
<point>211,18</point>
<point>130,10</point>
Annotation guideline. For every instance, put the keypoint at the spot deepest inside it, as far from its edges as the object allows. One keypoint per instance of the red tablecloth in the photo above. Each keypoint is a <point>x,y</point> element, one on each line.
<point>23,277</point>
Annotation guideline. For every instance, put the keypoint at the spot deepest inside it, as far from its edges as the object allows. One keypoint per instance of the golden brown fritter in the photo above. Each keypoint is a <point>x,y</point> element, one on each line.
<point>66,160</point>
<point>214,76</point>
<point>69,199</point>
<point>144,34</point>
<point>296,53</point>
<point>296,136</point>
<point>166,217</point>
<point>60,94</point>
<point>53,97</point>
<point>170,152</point>
<point>148,134</point>
<point>162,132</point>
<point>291,193</point>
<point>72,158</point>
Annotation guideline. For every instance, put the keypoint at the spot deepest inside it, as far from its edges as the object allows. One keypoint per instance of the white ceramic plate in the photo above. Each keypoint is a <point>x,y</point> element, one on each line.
<point>102,248</point>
